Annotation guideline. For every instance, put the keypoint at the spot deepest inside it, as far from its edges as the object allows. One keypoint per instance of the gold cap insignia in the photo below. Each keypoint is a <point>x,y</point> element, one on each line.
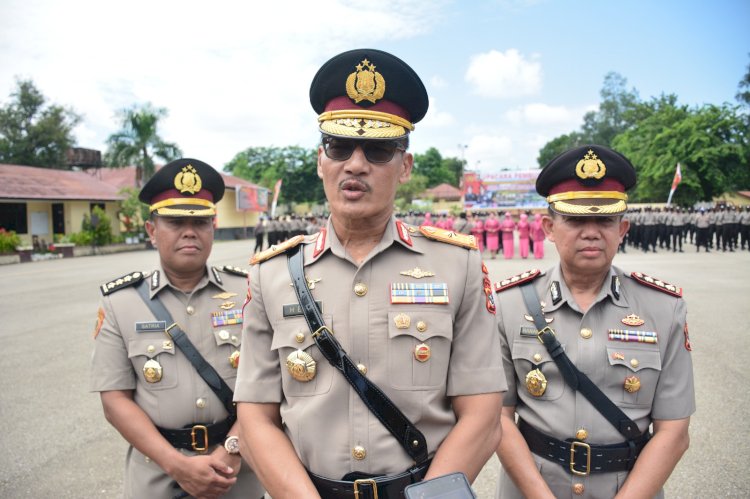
<point>536,383</point>
<point>402,321</point>
<point>188,180</point>
<point>590,167</point>
<point>301,366</point>
<point>152,371</point>
<point>366,84</point>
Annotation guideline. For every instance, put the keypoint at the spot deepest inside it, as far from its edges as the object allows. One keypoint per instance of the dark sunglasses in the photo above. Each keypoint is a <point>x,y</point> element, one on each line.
<point>376,151</point>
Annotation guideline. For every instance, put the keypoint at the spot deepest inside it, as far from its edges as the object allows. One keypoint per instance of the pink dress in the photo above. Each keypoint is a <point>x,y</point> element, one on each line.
<point>477,230</point>
<point>537,234</point>
<point>524,229</point>
<point>492,228</point>
<point>508,226</point>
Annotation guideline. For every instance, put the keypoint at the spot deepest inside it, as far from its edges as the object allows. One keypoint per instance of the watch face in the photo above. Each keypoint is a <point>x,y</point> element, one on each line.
<point>232,445</point>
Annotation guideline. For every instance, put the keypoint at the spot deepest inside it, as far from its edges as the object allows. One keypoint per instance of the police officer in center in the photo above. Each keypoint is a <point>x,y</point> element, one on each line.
<point>165,339</point>
<point>411,308</point>
<point>596,354</point>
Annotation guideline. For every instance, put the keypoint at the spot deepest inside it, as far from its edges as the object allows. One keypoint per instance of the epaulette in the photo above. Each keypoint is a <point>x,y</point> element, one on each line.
<point>234,270</point>
<point>508,283</point>
<point>121,282</point>
<point>652,282</point>
<point>276,249</point>
<point>448,236</point>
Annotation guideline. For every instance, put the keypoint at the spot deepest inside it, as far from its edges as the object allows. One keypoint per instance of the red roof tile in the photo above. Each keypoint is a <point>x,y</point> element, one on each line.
<point>28,182</point>
<point>445,191</point>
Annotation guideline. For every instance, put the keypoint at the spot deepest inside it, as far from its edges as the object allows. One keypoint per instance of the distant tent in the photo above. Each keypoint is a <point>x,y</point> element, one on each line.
<point>445,192</point>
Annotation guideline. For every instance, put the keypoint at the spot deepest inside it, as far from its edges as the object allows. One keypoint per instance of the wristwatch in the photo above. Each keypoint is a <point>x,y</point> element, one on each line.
<point>232,445</point>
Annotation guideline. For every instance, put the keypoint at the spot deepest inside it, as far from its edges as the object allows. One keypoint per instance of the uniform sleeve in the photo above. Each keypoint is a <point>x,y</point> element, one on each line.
<point>111,368</point>
<point>475,365</point>
<point>511,395</point>
<point>675,393</point>
<point>259,371</point>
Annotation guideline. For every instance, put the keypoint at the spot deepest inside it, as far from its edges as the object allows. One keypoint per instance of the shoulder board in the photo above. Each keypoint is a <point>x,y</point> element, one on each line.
<point>234,270</point>
<point>448,236</point>
<point>508,283</point>
<point>276,249</point>
<point>652,282</point>
<point>121,282</point>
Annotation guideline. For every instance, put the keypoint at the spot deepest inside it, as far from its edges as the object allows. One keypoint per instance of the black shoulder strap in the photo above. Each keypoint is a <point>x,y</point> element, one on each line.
<point>573,377</point>
<point>208,373</point>
<point>410,438</point>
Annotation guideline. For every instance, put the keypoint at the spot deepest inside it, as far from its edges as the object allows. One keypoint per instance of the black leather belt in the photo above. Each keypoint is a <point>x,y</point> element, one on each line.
<point>374,487</point>
<point>198,437</point>
<point>580,458</point>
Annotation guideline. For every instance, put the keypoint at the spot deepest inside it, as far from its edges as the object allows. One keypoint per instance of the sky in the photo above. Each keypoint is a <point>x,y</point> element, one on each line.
<point>503,76</point>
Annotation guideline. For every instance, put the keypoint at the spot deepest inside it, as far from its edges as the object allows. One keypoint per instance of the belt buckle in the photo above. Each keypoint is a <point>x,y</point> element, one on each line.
<point>573,460</point>
<point>194,443</point>
<point>366,481</point>
<point>318,331</point>
<point>545,330</point>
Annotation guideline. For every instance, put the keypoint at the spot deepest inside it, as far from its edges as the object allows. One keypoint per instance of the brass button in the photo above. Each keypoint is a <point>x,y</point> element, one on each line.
<point>362,368</point>
<point>634,363</point>
<point>582,434</point>
<point>586,333</point>
<point>200,403</point>
<point>233,339</point>
<point>360,289</point>
<point>299,337</point>
<point>359,453</point>
<point>537,357</point>
<point>421,326</point>
<point>151,349</point>
<point>190,310</point>
<point>224,334</point>
<point>578,489</point>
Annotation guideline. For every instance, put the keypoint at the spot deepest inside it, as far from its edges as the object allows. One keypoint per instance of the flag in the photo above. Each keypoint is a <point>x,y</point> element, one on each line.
<point>276,190</point>
<point>675,182</point>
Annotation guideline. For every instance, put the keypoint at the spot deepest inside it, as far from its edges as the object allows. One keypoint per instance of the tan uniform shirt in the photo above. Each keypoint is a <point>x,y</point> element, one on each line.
<point>664,369</point>
<point>324,418</point>
<point>127,340</point>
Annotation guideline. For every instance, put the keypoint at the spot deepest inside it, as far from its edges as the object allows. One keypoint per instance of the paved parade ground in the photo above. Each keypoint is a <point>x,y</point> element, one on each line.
<point>56,443</point>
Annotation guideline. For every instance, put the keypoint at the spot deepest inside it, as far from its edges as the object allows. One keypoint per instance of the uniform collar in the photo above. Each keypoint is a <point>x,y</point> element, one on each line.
<point>157,280</point>
<point>557,293</point>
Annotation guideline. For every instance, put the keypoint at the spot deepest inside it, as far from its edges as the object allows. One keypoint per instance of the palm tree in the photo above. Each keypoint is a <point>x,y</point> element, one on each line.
<point>138,142</point>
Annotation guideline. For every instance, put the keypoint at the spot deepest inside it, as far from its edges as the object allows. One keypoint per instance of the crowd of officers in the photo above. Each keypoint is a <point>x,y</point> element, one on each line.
<point>721,227</point>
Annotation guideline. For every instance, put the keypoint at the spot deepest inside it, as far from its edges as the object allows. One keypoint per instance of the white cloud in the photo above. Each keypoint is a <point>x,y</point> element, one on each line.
<point>436,117</point>
<point>546,115</point>
<point>437,82</point>
<point>504,74</point>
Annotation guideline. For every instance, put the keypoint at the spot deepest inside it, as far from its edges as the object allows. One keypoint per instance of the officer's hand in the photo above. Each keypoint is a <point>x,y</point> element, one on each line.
<point>204,477</point>
<point>234,461</point>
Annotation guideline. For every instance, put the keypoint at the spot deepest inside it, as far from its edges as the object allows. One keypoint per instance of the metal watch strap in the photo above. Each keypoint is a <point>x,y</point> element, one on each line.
<point>410,438</point>
<point>572,375</point>
<point>181,340</point>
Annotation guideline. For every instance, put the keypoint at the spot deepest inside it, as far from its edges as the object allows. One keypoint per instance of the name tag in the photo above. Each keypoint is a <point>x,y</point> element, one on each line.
<point>295,309</point>
<point>151,327</point>
<point>529,331</point>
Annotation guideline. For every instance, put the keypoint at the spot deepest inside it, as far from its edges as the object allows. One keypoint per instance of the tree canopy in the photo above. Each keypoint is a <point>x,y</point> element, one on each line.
<point>33,133</point>
<point>436,169</point>
<point>138,142</point>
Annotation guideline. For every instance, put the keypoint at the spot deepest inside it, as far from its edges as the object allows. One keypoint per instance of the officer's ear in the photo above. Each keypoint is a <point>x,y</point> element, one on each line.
<point>548,223</point>
<point>151,230</point>
<point>406,167</point>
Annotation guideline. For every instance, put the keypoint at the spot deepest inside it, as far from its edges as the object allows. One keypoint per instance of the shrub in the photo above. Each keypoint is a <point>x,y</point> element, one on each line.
<point>8,241</point>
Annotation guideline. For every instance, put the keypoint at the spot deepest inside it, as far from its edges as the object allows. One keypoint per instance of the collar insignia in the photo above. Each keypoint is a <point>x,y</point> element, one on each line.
<point>616,287</point>
<point>554,291</point>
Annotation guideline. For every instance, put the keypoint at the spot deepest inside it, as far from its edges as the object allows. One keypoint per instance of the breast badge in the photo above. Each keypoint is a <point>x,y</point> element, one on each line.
<point>632,384</point>
<point>536,383</point>
<point>422,352</point>
<point>402,321</point>
<point>234,359</point>
<point>152,371</point>
<point>632,320</point>
<point>301,366</point>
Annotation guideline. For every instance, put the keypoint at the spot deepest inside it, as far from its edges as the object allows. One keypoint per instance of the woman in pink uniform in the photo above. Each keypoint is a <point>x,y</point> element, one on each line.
<point>477,230</point>
<point>492,231</point>
<point>524,229</point>
<point>537,235</point>
<point>508,226</point>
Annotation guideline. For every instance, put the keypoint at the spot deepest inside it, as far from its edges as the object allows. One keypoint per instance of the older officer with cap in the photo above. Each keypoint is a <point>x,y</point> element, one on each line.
<point>596,354</point>
<point>370,359</point>
<point>167,348</point>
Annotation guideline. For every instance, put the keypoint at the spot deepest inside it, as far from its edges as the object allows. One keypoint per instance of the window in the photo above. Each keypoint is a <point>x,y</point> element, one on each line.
<point>13,217</point>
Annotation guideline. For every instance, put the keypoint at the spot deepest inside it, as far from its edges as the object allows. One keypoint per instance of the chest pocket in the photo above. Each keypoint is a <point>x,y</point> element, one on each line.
<point>529,355</point>
<point>228,340</point>
<point>419,348</point>
<point>150,346</point>
<point>633,362</point>
<point>290,335</point>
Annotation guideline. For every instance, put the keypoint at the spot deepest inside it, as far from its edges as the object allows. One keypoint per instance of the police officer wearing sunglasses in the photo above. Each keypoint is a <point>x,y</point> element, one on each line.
<point>369,355</point>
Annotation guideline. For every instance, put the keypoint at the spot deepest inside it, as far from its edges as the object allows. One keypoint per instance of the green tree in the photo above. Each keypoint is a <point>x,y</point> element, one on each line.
<point>743,90</point>
<point>294,165</point>
<point>710,143</point>
<point>436,169</point>
<point>559,145</point>
<point>132,212</point>
<point>407,192</point>
<point>33,133</point>
<point>138,142</point>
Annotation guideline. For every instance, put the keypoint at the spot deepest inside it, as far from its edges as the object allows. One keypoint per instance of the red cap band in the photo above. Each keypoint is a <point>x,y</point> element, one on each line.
<point>175,194</point>
<point>344,103</point>
<point>608,184</point>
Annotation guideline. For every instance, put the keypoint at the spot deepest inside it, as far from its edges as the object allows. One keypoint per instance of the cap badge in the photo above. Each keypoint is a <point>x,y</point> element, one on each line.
<point>366,84</point>
<point>590,167</point>
<point>188,180</point>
